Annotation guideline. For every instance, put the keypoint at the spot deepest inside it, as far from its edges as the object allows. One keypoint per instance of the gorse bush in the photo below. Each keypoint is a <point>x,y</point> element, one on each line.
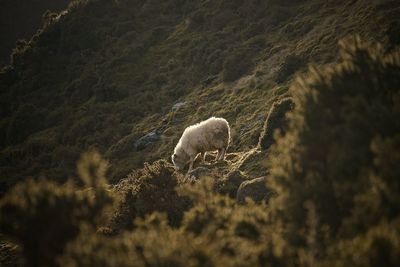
<point>153,243</point>
<point>214,232</point>
<point>339,153</point>
<point>276,120</point>
<point>148,190</point>
<point>21,19</point>
<point>379,246</point>
<point>44,216</point>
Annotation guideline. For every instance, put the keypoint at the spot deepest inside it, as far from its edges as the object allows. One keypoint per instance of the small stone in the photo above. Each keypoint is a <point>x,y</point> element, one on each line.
<point>178,105</point>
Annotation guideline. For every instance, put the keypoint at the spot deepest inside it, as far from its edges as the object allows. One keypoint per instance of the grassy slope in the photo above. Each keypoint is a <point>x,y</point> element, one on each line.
<point>108,72</point>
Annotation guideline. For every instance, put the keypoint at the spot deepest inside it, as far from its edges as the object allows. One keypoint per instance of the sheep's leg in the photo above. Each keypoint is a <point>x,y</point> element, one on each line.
<point>222,156</point>
<point>191,164</point>
<point>203,157</point>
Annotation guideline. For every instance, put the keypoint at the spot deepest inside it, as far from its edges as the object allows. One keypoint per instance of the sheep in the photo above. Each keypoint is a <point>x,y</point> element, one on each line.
<point>209,135</point>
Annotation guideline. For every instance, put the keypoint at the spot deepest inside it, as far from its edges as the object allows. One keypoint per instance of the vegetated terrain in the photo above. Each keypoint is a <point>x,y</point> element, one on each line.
<point>21,19</point>
<point>310,89</point>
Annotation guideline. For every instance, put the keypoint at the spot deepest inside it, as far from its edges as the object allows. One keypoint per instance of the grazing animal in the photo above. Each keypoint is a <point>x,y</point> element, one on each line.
<point>209,135</point>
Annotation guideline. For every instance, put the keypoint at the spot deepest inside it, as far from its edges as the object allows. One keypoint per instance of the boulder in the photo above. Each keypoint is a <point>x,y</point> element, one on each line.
<point>255,189</point>
<point>231,182</point>
<point>147,139</point>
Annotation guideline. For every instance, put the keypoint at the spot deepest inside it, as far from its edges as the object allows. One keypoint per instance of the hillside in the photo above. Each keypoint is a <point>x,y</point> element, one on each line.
<point>125,77</point>
<point>20,19</point>
<point>104,75</point>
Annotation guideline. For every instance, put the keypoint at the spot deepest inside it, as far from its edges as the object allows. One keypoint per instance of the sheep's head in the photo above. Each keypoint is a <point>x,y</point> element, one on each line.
<point>179,161</point>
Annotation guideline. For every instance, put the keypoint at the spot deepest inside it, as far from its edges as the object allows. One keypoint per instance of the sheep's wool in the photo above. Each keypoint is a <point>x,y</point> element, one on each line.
<point>209,135</point>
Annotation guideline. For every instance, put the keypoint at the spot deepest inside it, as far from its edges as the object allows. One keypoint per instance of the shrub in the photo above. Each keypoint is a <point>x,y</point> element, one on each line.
<point>21,53</point>
<point>228,235</point>
<point>380,246</point>
<point>44,216</point>
<point>148,190</point>
<point>394,39</point>
<point>213,212</point>
<point>237,233</point>
<point>330,155</point>
<point>154,243</point>
<point>276,120</point>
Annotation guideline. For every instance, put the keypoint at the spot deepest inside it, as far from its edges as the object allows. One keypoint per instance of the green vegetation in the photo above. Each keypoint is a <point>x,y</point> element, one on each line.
<point>332,166</point>
<point>110,76</point>
<point>106,73</point>
<point>44,216</point>
<point>148,190</point>
<point>336,185</point>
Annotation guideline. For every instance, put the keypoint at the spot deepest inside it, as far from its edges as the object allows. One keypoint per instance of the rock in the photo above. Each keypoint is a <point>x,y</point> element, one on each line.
<point>147,139</point>
<point>256,189</point>
<point>177,114</point>
<point>231,182</point>
<point>178,106</point>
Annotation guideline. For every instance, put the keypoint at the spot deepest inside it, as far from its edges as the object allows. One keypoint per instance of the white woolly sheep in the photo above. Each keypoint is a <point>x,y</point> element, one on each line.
<point>209,135</point>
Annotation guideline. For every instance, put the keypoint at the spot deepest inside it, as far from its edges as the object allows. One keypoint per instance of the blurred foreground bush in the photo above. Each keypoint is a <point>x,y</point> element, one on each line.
<point>336,169</point>
<point>44,216</point>
<point>215,232</point>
